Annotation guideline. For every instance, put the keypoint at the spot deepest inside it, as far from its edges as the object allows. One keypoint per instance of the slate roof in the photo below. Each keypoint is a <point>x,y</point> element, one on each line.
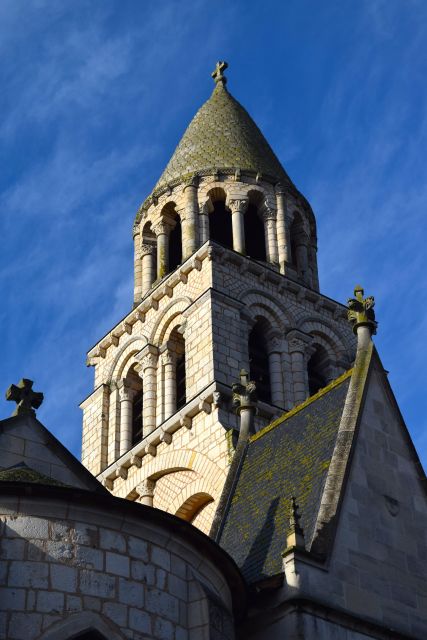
<point>289,457</point>
<point>222,135</point>
<point>22,473</point>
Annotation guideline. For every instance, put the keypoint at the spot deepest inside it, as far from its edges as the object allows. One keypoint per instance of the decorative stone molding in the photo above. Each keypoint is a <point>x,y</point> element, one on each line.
<point>298,341</point>
<point>161,228</point>
<point>237,205</point>
<point>146,488</point>
<point>361,311</point>
<point>147,249</point>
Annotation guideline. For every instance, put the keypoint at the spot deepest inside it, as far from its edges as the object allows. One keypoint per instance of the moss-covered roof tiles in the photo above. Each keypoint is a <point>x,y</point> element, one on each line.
<point>288,458</point>
<point>222,135</point>
<point>23,473</point>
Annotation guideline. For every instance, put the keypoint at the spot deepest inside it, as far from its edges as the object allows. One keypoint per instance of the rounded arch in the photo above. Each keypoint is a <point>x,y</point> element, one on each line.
<point>183,459</point>
<point>124,355</point>
<point>193,505</point>
<point>81,623</point>
<point>254,298</point>
<point>169,314</point>
<point>220,225</point>
<point>327,336</point>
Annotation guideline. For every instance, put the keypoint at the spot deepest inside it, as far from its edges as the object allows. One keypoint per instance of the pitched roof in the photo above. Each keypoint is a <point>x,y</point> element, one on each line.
<point>30,453</point>
<point>222,135</point>
<point>22,473</point>
<point>288,458</point>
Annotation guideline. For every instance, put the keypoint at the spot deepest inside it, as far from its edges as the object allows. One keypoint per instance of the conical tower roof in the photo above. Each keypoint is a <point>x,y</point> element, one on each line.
<point>222,136</point>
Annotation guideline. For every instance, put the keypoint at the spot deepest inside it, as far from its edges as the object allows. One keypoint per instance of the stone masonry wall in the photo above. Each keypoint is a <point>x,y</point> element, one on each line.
<point>216,296</point>
<point>131,576</point>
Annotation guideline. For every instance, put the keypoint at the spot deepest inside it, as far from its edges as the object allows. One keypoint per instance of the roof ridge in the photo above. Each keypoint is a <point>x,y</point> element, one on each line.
<point>292,412</point>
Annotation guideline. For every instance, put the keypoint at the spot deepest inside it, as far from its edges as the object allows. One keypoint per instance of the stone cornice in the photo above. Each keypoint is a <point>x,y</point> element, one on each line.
<point>265,273</point>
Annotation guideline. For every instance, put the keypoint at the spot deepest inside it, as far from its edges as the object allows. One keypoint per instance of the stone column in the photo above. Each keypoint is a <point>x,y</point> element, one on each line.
<point>302,259</point>
<point>146,492</point>
<point>148,362</point>
<point>312,252</point>
<point>189,220</point>
<point>269,217</point>
<point>168,362</point>
<point>126,395</point>
<point>162,232</point>
<point>275,367</point>
<point>148,272</point>
<point>283,239</point>
<point>298,345</point>
<point>238,208</point>
<point>204,222</point>
<point>137,290</point>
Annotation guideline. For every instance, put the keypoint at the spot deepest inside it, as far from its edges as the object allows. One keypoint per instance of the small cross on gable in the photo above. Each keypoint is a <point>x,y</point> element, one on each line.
<point>25,397</point>
<point>218,74</point>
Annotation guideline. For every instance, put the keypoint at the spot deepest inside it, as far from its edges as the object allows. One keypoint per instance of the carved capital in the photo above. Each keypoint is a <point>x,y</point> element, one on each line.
<point>238,205</point>
<point>147,357</point>
<point>361,311</point>
<point>126,392</point>
<point>298,341</point>
<point>147,249</point>
<point>268,213</point>
<point>168,358</point>
<point>244,393</point>
<point>161,228</point>
<point>146,488</point>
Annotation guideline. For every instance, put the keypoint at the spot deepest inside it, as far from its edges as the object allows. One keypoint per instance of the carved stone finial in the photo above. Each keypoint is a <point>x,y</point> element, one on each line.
<point>244,393</point>
<point>295,536</point>
<point>361,311</point>
<point>218,74</point>
<point>25,398</point>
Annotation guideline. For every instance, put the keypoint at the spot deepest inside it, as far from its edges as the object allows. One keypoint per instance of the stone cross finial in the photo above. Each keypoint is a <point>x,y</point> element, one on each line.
<point>295,537</point>
<point>361,311</point>
<point>218,74</point>
<point>25,398</point>
<point>244,392</point>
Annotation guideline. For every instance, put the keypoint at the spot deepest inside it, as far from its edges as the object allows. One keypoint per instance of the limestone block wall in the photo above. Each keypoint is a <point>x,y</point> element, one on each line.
<point>215,298</point>
<point>195,463</point>
<point>71,564</point>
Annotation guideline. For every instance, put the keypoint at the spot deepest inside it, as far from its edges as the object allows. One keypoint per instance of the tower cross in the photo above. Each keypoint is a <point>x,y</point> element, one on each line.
<point>217,74</point>
<point>25,397</point>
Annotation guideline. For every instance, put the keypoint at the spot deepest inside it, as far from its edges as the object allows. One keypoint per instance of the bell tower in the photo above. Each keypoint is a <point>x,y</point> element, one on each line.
<point>225,279</point>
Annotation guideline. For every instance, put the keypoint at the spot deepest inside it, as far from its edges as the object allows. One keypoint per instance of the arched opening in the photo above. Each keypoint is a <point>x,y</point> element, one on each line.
<point>258,361</point>
<point>254,234</point>
<point>220,226</point>
<point>175,245</point>
<point>299,246</point>
<point>148,235</point>
<point>178,346</point>
<point>318,369</point>
<point>193,506</point>
<point>134,382</point>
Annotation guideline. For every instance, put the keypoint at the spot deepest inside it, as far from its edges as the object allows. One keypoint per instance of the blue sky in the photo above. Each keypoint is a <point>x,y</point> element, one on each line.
<point>95,96</point>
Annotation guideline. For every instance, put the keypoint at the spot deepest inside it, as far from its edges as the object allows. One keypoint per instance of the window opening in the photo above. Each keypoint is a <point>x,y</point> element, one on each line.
<point>254,234</point>
<point>258,363</point>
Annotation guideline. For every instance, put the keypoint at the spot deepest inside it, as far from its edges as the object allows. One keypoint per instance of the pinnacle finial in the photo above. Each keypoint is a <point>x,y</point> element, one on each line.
<point>361,311</point>
<point>295,535</point>
<point>217,74</point>
<point>25,397</point>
